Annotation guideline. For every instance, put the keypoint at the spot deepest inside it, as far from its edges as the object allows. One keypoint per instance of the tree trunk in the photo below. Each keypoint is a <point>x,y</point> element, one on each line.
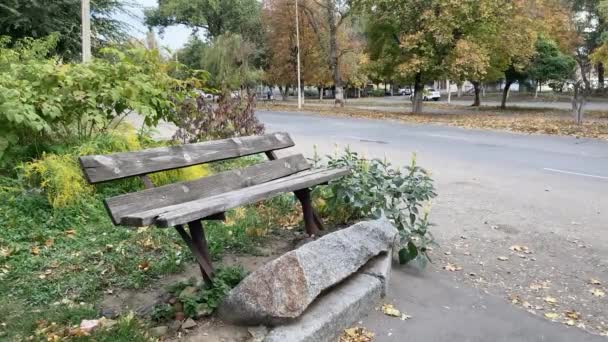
<point>417,98</point>
<point>477,88</point>
<point>320,93</point>
<point>505,94</point>
<point>483,90</point>
<point>333,51</point>
<point>449,89</point>
<point>359,93</point>
<point>600,76</point>
<point>579,100</point>
<point>284,92</point>
<point>536,89</point>
<point>459,85</point>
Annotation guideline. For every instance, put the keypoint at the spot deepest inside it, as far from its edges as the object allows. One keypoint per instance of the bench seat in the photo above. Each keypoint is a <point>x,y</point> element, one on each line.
<point>173,215</point>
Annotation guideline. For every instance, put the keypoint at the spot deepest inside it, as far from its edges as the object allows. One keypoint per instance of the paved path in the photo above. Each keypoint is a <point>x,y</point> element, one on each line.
<point>443,311</point>
<point>496,189</point>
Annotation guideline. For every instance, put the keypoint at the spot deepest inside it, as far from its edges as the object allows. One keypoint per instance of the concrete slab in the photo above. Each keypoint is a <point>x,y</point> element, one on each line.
<point>340,307</point>
<point>444,310</point>
<point>380,267</point>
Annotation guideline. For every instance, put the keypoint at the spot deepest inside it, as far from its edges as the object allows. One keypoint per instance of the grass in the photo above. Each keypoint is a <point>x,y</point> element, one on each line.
<point>57,262</point>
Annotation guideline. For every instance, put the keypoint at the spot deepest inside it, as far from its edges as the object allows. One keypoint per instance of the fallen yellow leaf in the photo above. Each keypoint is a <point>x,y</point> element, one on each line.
<point>598,293</point>
<point>550,300</point>
<point>452,268</point>
<point>49,242</point>
<point>357,334</point>
<point>552,315</point>
<point>35,250</point>
<point>144,266</point>
<point>595,282</point>
<point>572,314</point>
<point>390,310</point>
<point>569,322</point>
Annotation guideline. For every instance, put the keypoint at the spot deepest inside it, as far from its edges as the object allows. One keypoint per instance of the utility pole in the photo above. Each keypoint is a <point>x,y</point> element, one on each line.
<point>298,47</point>
<point>86,31</point>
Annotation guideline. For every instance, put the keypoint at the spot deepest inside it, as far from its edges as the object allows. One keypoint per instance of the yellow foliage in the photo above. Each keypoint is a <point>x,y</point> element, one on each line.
<point>180,175</point>
<point>60,177</point>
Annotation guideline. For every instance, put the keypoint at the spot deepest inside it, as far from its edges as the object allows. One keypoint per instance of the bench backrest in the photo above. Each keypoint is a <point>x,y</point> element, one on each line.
<point>103,168</point>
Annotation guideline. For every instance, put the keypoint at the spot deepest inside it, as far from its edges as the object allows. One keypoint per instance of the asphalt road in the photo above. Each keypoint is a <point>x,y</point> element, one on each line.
<point>543,178</point>
<point>496,189</point>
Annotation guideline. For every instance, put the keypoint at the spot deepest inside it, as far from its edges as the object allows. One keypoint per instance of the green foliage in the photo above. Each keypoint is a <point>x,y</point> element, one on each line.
<point>376,189</point>
<point>229,60</point>
<point>37,19</point>
<point>203,299</point>
<point>45,99</point>
<point>550,63</point>
<point>215,17</point>
<point>377,93</point>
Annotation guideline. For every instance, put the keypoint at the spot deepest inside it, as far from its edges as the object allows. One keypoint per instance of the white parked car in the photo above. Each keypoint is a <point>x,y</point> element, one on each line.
<point>429,94</point>
<point>405,91</point>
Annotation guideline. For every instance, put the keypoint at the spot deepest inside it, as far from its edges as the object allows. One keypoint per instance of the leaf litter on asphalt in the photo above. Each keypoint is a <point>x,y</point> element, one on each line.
<point>452,268</point>
<point>390,310</point>
<point>357,334</point>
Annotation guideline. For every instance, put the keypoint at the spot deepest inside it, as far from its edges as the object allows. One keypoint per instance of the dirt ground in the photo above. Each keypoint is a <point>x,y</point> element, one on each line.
<point>208,329</point>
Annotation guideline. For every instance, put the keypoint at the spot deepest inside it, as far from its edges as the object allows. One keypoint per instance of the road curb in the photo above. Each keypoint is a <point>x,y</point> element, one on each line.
<point>339,308</point>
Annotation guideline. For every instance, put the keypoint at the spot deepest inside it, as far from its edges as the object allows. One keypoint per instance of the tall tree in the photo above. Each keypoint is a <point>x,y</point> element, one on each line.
<point>214,17</point>
<point>280,34</point>
<point>549,63</point>
<point>588,24</point>
<point>421,37</point>
<point>37,19</point>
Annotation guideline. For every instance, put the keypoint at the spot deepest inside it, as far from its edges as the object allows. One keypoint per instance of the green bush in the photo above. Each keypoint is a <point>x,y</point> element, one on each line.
<point>44,99</point>
<point>376,189</point>
<point>377,93</point>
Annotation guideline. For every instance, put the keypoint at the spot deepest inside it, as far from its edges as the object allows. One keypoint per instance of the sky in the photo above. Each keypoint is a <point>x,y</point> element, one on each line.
<point>173,37</point>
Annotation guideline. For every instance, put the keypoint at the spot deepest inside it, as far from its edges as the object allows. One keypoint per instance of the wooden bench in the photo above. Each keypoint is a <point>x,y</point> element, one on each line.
<point>207,198</point>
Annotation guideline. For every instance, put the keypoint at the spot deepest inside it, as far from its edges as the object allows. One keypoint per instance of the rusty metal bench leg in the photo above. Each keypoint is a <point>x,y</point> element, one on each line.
<point>309,216</point>
<point>197,243</point>
<point>318,223</point>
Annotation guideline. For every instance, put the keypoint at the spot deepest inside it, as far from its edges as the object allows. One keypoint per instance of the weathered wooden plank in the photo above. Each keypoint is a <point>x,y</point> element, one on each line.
<point>102,168</point>
<point>176,193</point>
<point>181,213</point>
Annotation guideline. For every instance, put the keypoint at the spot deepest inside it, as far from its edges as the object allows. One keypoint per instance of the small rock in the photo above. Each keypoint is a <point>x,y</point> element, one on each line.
<point>88,325</point>
<point>179,316</point>
<point>172,300</point>
<point>109,313</point>
<point>257,333</point>
<point>174,326</point>
<point>189,324</point>
<point>189,291</point>
<point>159,331</point>
<point>203,310</point>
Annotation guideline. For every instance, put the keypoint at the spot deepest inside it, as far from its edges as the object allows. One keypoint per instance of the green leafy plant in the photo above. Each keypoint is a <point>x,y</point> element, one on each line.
<point>376,189</point>
<point>200,300</point>
<point>45,99</point>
